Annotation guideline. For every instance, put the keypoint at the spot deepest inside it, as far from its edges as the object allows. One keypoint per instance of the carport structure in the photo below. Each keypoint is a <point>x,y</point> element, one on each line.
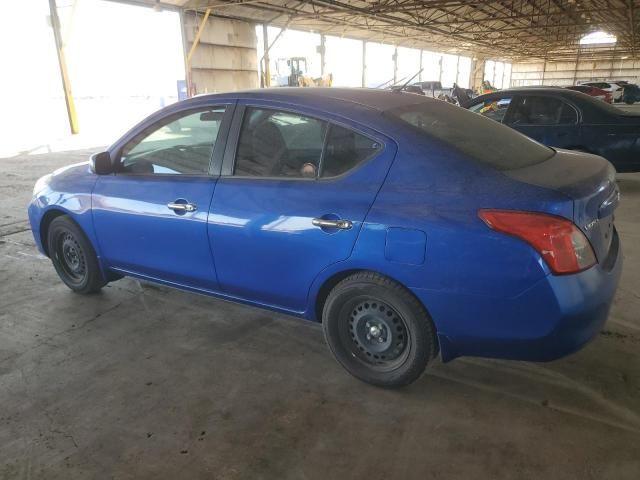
<point>509,29</point>
<point>542,38</point>
<point>545,32</point>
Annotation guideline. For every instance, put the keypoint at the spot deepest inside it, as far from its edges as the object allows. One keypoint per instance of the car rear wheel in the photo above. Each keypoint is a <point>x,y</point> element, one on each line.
<point>73,256</point>
<point>378,331</point>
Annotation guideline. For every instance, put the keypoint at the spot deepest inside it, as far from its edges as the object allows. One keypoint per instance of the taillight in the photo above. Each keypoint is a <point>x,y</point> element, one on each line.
<point>559,241</point>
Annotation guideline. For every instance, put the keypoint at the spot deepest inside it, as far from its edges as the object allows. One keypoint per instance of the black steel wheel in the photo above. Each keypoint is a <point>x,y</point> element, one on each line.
<point>378,331</point>
<point>70,256</point>
<point>378,335</point>
<point>73,256</point>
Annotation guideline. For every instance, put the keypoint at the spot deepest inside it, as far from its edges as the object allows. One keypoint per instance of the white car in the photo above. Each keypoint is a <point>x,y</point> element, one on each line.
<point>612,87</point>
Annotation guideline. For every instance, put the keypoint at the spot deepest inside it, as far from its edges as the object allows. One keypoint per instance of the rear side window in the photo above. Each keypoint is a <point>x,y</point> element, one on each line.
<point>486,141</point>
<point>279,144</point>
<point>345,150</point>
<point>543,111</point>
<point>275,143</point>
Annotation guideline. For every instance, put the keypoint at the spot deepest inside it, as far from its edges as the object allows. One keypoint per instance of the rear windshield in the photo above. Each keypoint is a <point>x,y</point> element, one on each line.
<point>606,107</point>
<point>482,139</point>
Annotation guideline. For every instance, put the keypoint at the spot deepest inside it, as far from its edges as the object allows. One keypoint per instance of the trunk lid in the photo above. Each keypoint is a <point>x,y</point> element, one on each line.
<point>589,181</point>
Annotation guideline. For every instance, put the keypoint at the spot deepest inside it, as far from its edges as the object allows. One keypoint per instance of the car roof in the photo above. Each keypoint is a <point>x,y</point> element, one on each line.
<point>536,89</point>
<point>376,99</point>
<point>565,92</point>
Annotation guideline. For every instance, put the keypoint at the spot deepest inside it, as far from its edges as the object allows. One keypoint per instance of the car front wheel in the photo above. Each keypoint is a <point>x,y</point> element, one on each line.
<point>73,256</point>
<point>378,331</point>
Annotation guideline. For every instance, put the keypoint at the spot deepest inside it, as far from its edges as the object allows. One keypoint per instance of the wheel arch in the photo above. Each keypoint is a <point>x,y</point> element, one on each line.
<point>326,287</point>
<point>329,283</point>
<point>47,218</point>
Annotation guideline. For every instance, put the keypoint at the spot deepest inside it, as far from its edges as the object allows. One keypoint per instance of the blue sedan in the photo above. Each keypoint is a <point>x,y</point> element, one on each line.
<point>409,227</point>
<point>563,118</point>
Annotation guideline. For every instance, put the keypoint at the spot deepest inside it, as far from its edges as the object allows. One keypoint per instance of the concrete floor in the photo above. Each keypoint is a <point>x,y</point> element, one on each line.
<point>146,382</point>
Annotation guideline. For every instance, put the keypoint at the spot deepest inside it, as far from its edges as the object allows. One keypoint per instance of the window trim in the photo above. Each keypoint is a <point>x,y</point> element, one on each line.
<point>215,159</point>
<point>513,106</point>
<point>229,160</point>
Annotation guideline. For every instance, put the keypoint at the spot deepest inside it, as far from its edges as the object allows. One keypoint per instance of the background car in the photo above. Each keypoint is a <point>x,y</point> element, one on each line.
<point>631,94</point>
<point>408,226</point>
<point>593,92</point>
<point>613,88</point>
<point>434,89</point>
<point>563,118</point>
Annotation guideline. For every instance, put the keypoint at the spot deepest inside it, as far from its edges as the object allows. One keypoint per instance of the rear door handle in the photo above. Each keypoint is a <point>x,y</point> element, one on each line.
<point>182,207</point>
<point>324,223</point>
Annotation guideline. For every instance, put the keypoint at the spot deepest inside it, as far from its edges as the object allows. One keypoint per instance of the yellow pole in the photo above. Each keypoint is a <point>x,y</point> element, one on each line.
<point>196,40</point>
<point>66,84</point>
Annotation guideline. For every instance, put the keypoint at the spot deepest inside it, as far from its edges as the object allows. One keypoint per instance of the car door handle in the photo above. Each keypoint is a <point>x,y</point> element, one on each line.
<point>324,223</point>
<point>182,207</point>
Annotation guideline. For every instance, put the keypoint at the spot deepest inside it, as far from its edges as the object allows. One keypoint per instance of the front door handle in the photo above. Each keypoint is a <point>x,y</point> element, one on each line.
<point>182,207</point>
<point>324,223</point>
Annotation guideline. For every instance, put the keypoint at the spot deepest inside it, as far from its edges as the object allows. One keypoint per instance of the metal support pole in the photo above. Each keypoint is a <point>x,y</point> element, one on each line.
<point>420,74</point>
<point>66,84</point>
<point>458,70</point>
<point>183,33</point>
<point>267,48</point>
<point>265,57</point>
<point>440,67</point>
<point>544,70</point>
<point>395,65</point>
<point>196,40</point>
<point>322,54</point>
<point>575,70</point>
<point>364,63</point>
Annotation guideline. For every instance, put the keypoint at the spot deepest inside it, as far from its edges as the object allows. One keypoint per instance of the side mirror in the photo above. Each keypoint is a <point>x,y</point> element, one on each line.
<point>100,163</point>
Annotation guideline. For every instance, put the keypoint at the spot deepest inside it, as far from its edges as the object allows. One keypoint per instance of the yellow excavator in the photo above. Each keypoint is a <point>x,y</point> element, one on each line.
<point>293,72</point>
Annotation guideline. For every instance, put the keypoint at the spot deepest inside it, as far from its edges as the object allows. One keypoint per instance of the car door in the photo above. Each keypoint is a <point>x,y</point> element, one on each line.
<point>549,120</point>
<point>294,192</point>
<point>150,217</point>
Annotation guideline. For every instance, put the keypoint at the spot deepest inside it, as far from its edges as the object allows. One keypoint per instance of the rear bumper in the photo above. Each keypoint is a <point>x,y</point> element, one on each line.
<point>555,317</point>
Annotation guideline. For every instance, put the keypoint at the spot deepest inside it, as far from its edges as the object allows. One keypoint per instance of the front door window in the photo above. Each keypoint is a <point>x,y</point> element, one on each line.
<point>181,144</point>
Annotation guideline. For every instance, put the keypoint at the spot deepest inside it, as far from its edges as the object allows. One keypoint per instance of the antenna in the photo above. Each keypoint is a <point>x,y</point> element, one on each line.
<point>388,81</point>
<point>408,81</point>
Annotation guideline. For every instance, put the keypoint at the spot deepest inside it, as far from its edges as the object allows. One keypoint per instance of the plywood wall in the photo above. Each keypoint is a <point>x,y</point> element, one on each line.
<point>225,58</point>
<point>570,73</point>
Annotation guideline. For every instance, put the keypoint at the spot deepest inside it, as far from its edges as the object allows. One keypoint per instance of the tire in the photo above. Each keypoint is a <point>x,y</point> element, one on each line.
<point>629,102</point>
<point>73,256</point>
<point>378,331</point>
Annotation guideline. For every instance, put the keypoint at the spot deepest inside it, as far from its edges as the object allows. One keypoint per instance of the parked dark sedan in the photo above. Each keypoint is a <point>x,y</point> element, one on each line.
<point>564,118</point>
<point>631,94</point>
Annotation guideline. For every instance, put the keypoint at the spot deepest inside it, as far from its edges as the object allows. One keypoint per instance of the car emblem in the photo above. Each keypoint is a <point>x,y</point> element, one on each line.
<point>590,225</point>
